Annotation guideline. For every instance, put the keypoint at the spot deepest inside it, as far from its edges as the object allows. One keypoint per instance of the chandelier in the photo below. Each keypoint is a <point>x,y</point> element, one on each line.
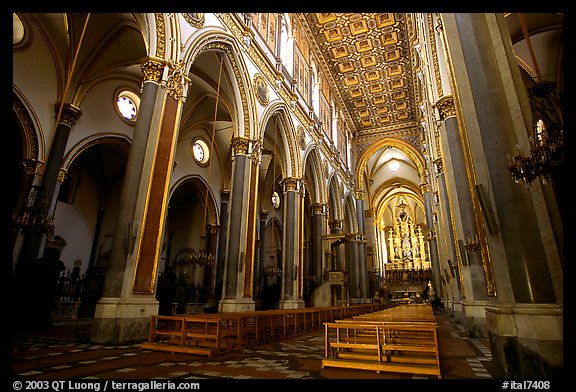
<point>33,218</point>
<point>190,256</point>
<point>546,140</point>
<point>271,270</point>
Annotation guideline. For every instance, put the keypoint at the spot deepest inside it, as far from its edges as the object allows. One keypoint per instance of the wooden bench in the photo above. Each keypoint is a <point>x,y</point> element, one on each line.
<point>397,339</point>
<point>214,333</point>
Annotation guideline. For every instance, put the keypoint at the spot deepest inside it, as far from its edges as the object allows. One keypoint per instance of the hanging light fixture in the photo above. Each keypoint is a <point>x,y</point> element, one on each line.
<point>546,139</point>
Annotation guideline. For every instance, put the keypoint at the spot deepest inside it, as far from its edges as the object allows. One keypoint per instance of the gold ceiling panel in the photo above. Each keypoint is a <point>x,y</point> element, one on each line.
<point>368,56</point>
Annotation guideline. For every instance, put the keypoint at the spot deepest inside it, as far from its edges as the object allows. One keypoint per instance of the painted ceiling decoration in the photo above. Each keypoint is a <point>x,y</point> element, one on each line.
<point>368,56</point>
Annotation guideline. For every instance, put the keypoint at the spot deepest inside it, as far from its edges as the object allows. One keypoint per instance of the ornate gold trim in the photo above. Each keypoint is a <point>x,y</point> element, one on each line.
<point>446,107</point>
<point>152,69</point>
<point>177,82</point>
<point>239,145</point>
<point>261,89</point>
<point>291,184</point>
<point>195,19</point>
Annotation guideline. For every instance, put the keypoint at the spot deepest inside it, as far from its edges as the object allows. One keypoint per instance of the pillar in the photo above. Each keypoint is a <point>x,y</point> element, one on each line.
<point>363,268</point>
<point>471,265</point>
<point>237,294</point>
<point>525,318</point>
<point>123,313</point>
<point>292,262</point>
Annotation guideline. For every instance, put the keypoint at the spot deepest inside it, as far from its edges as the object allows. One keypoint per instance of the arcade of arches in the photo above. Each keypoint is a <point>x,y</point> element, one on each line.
<point>198,162</point>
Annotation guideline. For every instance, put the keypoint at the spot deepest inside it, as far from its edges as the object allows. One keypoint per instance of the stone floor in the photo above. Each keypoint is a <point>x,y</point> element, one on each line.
<point>65,352</point>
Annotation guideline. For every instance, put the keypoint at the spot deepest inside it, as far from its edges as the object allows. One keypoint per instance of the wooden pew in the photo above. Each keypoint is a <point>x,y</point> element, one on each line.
<point>398,339</point>
<point>214,333</point>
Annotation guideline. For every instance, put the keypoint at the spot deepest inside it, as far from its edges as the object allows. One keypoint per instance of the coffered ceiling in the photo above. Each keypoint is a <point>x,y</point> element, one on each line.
<point>369,59</point>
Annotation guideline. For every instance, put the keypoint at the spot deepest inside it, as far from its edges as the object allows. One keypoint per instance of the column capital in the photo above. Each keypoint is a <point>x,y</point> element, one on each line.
<point>152,68</point>
<point>439,165</point>
<point>240,145</point>
<point>291,183</point>
<point>336,224</point>
<point>359,194</point>
<point>177,82</point>
<point>445,106</point>
<point>424,187</point>
<point>318,208</point>
<point>263,214</point>
<point>68,115</point>
<point>225,195</point>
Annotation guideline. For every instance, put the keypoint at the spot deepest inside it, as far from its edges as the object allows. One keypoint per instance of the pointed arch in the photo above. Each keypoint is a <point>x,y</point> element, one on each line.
<point>207,39</point>
<point>280,111</point>
<point>312,157</point>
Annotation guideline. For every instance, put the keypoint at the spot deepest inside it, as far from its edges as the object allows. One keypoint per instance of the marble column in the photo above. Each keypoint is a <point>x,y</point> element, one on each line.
<point>353,267</point>
<point>218,268</point>
<point>363,268</point>
<point>432,244</point>
<point>239,260</point>
<point>470,263</point>
<point>317,232</point>
<point>123,313</point>
<point>261,279</point>
<point>291,289</point>
<point>45,197</point>
<point>34,239</point>
<point>524,320</point>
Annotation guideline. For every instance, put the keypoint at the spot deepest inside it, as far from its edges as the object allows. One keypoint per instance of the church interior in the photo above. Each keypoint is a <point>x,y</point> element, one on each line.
<point>223,163</point>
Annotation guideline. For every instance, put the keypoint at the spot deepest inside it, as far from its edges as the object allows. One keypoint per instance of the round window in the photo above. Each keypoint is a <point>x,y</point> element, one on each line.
<point>127,104</point>
<point>201,152</point>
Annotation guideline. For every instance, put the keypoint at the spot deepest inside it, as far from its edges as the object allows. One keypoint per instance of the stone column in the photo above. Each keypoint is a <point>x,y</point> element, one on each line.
<point>261,279</point>
<point>337,258</point>
<point>433,246</point>
<point>317,232</point>
<point>524,321</point>
<point>470,263</point>
<point>239,259</point>
<point>363,268</point>
<point>218,268</point>
<point>447,264</point>
<point>291,289</point>
<point>123,313</point>
<point>45,197</point>
<point>353,267</point>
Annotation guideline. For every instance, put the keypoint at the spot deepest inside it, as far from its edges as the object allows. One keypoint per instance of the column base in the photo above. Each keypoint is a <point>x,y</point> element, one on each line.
<point>475,318</point>
<point>527,340</point>
<point>231,305</point>
<point>292,304</point>
<point>122,320</point>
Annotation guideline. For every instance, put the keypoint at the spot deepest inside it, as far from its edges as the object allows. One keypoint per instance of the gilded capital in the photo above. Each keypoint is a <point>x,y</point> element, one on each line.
<point>359,194</point>
<point>68,115</point>
<point>290,183</point>
<point>177,82</point>
<point>240,145</point>
<point>317,208</point>
<point>446,107</point>
<point>152,68</point>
